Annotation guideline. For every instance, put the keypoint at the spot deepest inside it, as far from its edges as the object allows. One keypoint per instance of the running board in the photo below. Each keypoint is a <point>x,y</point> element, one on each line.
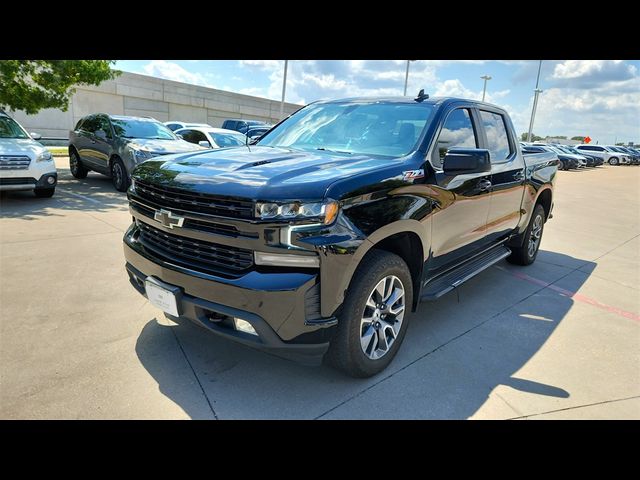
<point>452,279</point>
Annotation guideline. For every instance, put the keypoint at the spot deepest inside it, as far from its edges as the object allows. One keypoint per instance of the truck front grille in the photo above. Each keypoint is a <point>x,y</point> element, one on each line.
<point>194,202</point>
<point>14,162</point>
<point>195,254</point>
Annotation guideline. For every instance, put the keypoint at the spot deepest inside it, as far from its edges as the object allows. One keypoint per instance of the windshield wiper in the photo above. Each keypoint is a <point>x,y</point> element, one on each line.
<point>335,151</point>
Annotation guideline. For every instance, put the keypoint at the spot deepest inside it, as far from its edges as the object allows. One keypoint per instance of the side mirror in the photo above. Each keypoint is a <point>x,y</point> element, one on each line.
<point>459,161</point>
<point>101,134</point>
<point>35,136</point>
<point>204,143</point>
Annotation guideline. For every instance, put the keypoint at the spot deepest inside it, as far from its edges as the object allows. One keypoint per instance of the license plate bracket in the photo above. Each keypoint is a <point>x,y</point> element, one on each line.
<point>163,295</point>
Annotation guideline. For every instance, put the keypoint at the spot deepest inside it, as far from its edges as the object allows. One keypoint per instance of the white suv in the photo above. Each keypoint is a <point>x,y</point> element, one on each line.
<point>24,163</point>
<point>605,153</point>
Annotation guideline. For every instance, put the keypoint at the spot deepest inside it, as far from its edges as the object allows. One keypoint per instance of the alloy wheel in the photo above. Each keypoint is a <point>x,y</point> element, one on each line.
<point>382,317</point>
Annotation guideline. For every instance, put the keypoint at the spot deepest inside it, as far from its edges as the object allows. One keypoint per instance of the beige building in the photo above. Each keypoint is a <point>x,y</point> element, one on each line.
<point>141,95</point>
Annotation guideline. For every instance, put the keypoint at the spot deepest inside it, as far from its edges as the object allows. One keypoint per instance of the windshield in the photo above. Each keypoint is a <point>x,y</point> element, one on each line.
<point>9,128</point>
<point>386,129</point>
<point>141,129</point>
<point>228,139</point>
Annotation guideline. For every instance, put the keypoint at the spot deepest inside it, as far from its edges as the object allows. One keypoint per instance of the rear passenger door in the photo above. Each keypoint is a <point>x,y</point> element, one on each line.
<point>507,174</point>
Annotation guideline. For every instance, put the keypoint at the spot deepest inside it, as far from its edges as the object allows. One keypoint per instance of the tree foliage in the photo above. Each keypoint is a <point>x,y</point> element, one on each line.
<point>32,85</point>
<point>534,137</point>
<point>579,138</point>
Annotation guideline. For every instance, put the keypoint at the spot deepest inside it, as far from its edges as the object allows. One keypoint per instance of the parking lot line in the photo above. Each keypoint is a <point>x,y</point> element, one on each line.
<point>574,295</point>
<point>83,197</point>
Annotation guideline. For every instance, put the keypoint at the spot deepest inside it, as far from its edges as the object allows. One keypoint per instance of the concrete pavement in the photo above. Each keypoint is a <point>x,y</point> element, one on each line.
<point>559,339</point>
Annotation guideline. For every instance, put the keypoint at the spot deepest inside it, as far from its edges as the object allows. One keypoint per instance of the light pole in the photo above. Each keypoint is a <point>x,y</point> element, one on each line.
<point>406,77</point>
<point>537,91</point>
<point>284,88</point>
<point>484,90</point>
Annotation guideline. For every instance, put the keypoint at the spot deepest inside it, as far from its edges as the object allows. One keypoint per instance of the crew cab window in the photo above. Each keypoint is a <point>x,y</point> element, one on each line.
<point>173,126</point>
<point>497,137</point>
<point>457,131</point>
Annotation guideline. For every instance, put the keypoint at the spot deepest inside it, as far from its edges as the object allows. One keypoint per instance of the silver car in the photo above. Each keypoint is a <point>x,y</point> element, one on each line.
<point>114,144</point>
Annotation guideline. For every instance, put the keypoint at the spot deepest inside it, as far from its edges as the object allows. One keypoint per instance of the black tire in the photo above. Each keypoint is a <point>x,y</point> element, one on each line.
<point>561,165</point>
<point>613,161</point>
<point>345,351</point>
<point>44,192</point>
<point>119,175</point>
<point>523,255</point>
<point>78,170</point>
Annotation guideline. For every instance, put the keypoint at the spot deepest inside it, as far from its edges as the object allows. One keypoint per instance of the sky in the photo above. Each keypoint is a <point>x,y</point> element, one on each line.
<point>598,98</point>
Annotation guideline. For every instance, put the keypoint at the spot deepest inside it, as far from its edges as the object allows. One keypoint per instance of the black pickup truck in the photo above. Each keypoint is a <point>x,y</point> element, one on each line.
<point>319,240</point>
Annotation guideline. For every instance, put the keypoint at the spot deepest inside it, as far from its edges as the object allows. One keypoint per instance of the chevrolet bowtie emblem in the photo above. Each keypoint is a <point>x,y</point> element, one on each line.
<point>168,219</point>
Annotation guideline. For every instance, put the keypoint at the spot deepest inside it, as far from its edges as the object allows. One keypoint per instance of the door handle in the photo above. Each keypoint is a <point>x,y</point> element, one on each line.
<point>519,175</point>
<point>484,185</point>
<point>93,141</point>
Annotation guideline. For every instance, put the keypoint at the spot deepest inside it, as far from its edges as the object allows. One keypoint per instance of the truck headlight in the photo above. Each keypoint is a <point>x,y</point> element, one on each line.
<point>44,156</point>
<point>326,211</point>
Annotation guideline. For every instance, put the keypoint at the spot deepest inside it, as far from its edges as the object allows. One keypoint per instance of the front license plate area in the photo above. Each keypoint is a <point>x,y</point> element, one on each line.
<point>162,295</point>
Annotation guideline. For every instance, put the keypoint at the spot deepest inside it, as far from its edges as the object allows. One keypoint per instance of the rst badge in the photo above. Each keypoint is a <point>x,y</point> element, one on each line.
<point>413,174</point>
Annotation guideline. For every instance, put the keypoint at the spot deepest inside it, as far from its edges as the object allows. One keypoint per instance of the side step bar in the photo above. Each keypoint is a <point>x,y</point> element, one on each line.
<point>453,278</point>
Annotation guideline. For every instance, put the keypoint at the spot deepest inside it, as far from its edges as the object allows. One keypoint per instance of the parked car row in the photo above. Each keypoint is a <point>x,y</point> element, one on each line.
<point>586,155</point>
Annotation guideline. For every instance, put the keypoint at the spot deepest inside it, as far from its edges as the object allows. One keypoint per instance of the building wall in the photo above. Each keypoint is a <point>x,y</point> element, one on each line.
<point>141,95</point>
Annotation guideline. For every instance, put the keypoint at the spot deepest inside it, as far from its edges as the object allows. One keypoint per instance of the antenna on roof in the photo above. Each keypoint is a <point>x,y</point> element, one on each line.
<point>421,96</point>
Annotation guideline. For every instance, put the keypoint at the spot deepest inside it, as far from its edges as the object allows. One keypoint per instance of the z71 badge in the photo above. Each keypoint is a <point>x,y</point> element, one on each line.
<point>413,174</point>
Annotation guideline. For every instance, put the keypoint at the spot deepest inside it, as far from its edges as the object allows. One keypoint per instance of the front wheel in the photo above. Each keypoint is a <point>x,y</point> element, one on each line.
<point>374,316</point>
<point>527,253</point>
<point>613,161</point>
<point>119,175</point>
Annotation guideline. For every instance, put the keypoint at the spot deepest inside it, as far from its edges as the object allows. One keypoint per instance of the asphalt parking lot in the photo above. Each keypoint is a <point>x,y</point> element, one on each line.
<point>559,339</point>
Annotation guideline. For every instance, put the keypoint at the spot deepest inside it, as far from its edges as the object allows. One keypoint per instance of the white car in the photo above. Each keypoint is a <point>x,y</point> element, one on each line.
<point>175,125</point>
<point>24,163</point>
<point>211,137</point>
<point>605,153</point>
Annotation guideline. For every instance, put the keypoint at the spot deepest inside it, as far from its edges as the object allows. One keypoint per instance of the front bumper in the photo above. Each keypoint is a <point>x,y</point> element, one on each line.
<point>282,307</point>
<point>16,183</point>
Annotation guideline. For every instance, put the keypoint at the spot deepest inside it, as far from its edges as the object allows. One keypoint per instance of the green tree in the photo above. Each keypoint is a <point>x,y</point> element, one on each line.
<point>559,136</point>
<point>32,85</point>
<point>534,137</point>
<point>579,138</point>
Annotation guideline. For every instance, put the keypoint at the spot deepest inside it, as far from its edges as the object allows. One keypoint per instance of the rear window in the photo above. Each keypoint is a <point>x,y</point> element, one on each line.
<point>497,137</point>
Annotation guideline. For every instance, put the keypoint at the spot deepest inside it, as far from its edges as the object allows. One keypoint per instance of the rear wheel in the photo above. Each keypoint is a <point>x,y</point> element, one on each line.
<point>561,166</point>
<point>119,175</point>
<point>75,165</point>
<point>527,253</point>
<point>613,161</point>
<point>374,316</point>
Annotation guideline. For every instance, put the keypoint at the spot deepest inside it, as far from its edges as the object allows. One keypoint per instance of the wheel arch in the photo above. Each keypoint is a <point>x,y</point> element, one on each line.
<point>408,239</point>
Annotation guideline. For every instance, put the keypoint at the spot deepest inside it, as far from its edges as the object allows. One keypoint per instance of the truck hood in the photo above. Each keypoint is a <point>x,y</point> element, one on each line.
<point>164,146</point>
<point>258,173</point>
<point>20,146</point>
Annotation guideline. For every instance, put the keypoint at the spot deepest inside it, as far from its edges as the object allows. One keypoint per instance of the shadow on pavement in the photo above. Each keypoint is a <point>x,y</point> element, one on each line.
<point>94,193</point>
<point>446,368</point>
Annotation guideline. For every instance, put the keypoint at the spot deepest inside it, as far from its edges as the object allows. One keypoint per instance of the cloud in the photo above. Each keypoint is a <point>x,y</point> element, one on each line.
<point>591,73</point>
<point>173,71</point>
<point>455,88</point>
